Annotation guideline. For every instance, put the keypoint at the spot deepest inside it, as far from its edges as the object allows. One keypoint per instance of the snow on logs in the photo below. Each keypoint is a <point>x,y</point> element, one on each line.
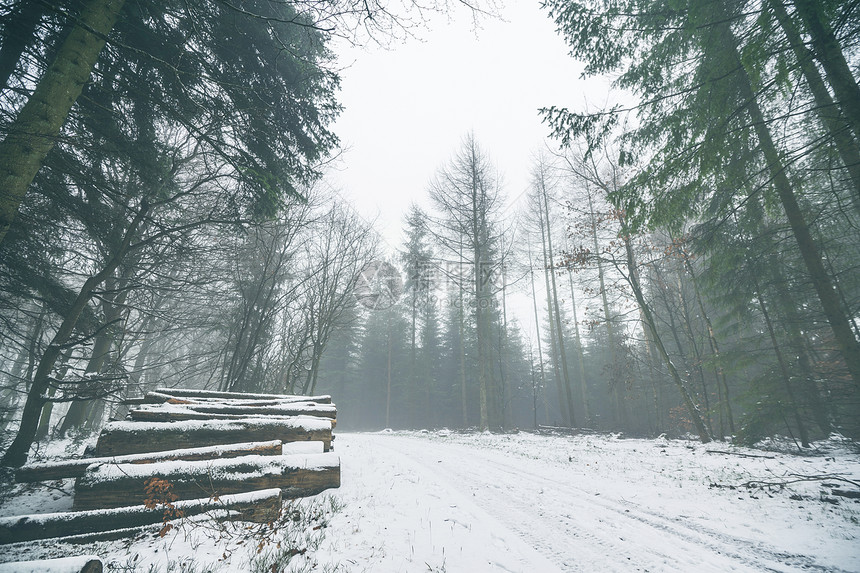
<point>177,420</point>
<point>173,411</point>
<point>76,468</point>
<point>165,394</point>
<point>210,450</point>
<point>115,485</point>
<point>82,564</point>
<point>257,506</point>
<point>119,438</point>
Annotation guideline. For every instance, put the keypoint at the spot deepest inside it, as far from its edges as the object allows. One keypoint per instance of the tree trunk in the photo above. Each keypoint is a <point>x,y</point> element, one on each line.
<point>554,350</point>
<point>505,391</point>
<point>826,108</point>
<point>478,291</point>
<point>9,399</point>
<point>809,251</point>
<point>583,384</point>
<point>32,134</point>
<point>45,418</point>
<point>655,391</point>
<point>534,387</point>
<point>413,360</point>
<point>79,409</point>
<point>715,349</point>
<point>388,371</point>
<point>829,53</point>
<point>783,369</point>
<point>607,317</point>
<point>537,327</point>
<point>633,280</point>
<point>134,376</point>
<point>568,394</point>
<point>16,455</point>
<point>799,348</point>
<point>462,324</point>
<point>685,314</point>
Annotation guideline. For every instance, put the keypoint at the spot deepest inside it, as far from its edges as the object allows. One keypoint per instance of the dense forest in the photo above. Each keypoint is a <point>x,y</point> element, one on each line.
<point>690,260</point>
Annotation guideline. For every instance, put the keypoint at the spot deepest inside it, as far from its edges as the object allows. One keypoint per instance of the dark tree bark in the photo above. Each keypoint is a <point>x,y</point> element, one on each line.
<point>568,395</point>
<point>829,53</point>
<point>553,333</point>
<point>35,130</point>
<point>809,250</point>
<point>827,110</point>
<point>633,279</point>
<point>16,455</point>
<point>784,373</point>
<point>722,384</point>
<point>18,32</point>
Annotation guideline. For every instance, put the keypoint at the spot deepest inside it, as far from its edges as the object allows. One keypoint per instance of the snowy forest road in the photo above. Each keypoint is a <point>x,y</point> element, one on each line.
<point>427,503</point>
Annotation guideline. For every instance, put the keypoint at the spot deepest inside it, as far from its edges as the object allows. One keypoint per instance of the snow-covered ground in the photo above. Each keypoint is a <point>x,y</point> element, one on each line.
<point>481,502</point>
<point>444,501</point>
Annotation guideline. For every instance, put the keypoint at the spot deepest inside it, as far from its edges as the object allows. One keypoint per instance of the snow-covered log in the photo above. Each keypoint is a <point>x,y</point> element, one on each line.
<point>75,468</point>
<point>257,506</point>
<point>171,412</point>
<point>189,393</point>
<point>158,398</point>
<point>113,485</point>
<point>82,564</point>
<point>118,438</point>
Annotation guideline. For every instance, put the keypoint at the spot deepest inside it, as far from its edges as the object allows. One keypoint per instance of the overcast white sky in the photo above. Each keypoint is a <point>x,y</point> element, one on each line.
<point>407,108</point>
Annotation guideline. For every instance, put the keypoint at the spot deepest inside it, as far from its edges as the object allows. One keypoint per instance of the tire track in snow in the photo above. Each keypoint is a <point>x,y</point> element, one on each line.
<point>746,552</point>
<point>579,530</point>
<point>399,516</point>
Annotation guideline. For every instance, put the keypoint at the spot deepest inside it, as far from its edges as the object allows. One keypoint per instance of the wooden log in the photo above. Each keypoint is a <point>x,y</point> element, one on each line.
<point>257,506</point>
<point>237,402</point>
<point>251,403</point>
<point>161,398</point>
<point>739,454</point>
<point>119,438</point>
<point>171,412</point>
<point>162,414</point>
<point>177,415</point>
<point>190,393</point>
<point>135,532</point>
<point>82,564</point>
<point>294,409</point>
<point>75,468</point>
<point>296,476</point>
<point>850,493</point>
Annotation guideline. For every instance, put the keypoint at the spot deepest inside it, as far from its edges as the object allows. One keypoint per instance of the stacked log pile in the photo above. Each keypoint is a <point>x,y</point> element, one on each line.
<point>258,506</point>
<point>82,564</point>
<point>204,450</point>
